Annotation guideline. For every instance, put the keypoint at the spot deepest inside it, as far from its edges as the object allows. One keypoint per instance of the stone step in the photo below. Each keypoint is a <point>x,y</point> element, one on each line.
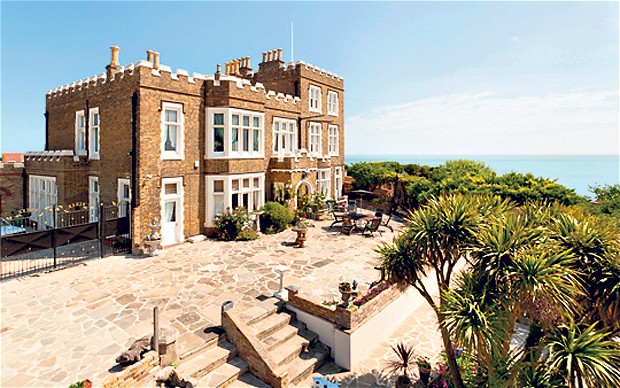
<point>204,362</point>
<point>224,375</point>
<point>280,336</point>
<point>304,366</point>
<point>249,380</point>
<point>255,314</point>
<point>269,325</point>
<point>211,341</point>
<point>289,350</point>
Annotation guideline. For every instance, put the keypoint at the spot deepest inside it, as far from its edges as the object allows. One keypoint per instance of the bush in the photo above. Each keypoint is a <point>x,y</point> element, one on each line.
<point>235,226</point>
<point>275,218</point>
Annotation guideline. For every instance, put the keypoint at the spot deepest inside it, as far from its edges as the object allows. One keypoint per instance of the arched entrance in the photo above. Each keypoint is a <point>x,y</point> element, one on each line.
<point>304,187</point>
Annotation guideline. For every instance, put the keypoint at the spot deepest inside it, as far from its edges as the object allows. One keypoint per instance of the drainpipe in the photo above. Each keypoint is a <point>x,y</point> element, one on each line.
<point>134,162</point>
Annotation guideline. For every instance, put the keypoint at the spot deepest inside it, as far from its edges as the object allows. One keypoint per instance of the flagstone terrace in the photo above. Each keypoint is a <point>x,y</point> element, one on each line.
<point>71,324</point>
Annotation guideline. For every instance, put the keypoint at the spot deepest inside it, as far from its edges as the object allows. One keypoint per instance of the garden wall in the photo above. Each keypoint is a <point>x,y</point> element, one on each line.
<point>353,333</point>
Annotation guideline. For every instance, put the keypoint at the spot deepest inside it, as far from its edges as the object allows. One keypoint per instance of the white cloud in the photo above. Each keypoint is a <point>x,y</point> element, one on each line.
<point>579,122</point>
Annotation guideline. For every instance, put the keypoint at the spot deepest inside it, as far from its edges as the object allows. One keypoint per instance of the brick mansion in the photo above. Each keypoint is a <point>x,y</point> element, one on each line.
<point>183,148</point>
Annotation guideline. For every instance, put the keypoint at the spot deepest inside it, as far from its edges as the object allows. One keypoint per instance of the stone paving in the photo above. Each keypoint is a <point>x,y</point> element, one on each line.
<point>60,327</point>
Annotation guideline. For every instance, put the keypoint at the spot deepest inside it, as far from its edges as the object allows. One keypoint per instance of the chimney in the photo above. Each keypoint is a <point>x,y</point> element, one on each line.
<point>279,54</point>
<point>156,60</point>
<point>149,55</point>
<point>114,65</point>
<point>274,54</point>
<point>264,56</point>
<point>218,72</point>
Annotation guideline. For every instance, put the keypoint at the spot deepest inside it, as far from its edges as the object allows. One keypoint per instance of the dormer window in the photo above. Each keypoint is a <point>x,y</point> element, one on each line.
<point>315,99</point>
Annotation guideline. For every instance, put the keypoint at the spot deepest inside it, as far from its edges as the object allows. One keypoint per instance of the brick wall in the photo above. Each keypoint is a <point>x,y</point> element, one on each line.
<point>139,374</point>
<point>350,318</point>
<point>11,188</point>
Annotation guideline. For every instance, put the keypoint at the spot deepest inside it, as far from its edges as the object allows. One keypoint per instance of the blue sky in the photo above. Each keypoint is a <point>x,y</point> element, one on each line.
<point>463,78</point>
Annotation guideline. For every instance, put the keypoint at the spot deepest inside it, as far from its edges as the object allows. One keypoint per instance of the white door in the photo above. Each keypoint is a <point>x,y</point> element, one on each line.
<point>172,211</point>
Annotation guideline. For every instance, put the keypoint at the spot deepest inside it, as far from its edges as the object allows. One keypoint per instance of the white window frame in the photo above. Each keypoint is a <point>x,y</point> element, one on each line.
<point>314,97</point>
<point>332,103</point>
<point>42,194</point>
<point>332,140</point>
<point>180,195</point>
<point>337,182</point>
<point>94,198</point>
<point>288,137</point>
<point>315,138</point>
<point>94,134</point>
<point>122,199</point>
<point>323,181</point>
<point>177,154</point>
<point>255,191</point>
<point>245,147</point>
<point>80,133</point>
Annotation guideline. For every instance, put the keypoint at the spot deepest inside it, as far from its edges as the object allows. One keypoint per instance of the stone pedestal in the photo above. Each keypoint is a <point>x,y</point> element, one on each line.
<point>167,346</point>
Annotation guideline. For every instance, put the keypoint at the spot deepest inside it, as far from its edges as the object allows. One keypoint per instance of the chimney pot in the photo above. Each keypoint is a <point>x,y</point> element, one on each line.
<point>219,69</point>
<point>247,62</point>
<point>279,54</point>
<point>114,60</point>
<point>149,55</point>
<point>264,56</point>
<point>156,60</point>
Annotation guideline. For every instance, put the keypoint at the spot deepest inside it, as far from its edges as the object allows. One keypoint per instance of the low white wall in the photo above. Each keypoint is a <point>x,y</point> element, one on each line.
<point>323,328</point>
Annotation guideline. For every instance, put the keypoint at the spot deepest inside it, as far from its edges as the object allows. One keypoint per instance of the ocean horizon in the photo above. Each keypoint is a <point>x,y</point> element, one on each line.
<point>577,172</point>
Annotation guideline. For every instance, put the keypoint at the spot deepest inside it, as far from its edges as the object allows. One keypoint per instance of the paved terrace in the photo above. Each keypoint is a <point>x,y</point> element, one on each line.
<point>64,326</point>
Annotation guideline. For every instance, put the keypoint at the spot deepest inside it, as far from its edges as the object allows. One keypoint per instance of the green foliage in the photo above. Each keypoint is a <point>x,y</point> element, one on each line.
<point>420,183</point>
<point>310,204</point>
<point>79,384</point>
<point>607,202</point>
<point>275,218</point>
<point>367,176</point>
<point>234,225</point>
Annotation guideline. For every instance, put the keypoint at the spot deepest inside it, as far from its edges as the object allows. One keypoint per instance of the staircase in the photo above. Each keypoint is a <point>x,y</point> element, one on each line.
<point>291,347</point>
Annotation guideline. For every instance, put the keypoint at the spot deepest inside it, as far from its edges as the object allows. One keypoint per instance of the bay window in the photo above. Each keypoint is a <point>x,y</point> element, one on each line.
<point>228,192</point>
<point>234,133</point>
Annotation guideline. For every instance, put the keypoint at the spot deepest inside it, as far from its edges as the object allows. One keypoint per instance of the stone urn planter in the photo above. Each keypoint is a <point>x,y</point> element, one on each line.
<point>347,290</point>
<point>153,240</point>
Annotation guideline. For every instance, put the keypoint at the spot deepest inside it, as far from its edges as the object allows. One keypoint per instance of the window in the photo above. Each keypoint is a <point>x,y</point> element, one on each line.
<point>93,124</point>
<point>284,136</point>
<point>93,198</point>
<point>80,133</point>
<point>338,182</point>
<point>41,196</point>
<point>233,191</point>
<point>172,131</point>
<point>322,182</point>
<point>332,103</point>
<point>315,99</point>
<point>218,133</point>
<point>124,197</point>
<point>315,138</point>
<point>333,139</point>
<point>235,133</point>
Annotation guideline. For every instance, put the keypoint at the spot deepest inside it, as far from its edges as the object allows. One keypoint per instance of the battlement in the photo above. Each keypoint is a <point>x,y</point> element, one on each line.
<point>47,155</point>
<point>237,71</point>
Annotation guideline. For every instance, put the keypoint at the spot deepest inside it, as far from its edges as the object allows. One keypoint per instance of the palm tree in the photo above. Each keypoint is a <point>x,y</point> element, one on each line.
<point>584,357</point>
<point>436,238</point>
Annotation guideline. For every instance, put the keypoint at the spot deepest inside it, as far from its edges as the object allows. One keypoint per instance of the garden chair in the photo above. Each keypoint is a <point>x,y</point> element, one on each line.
<point>347,225</point>
<point>373,226</point>
<point>338,217</point>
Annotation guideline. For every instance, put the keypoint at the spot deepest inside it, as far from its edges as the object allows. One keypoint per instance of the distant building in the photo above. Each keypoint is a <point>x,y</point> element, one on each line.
<point>11,183</point>
<point>183,149</point>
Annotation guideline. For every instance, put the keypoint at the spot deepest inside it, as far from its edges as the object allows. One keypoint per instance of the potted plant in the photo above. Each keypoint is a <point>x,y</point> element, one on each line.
<point>82,384</point>
<point>402,364</point>
<point>424,367</point>
<point>347,289</point>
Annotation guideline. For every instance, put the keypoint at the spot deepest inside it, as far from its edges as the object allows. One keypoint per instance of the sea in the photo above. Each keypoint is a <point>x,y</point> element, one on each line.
<point>578,172</point>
